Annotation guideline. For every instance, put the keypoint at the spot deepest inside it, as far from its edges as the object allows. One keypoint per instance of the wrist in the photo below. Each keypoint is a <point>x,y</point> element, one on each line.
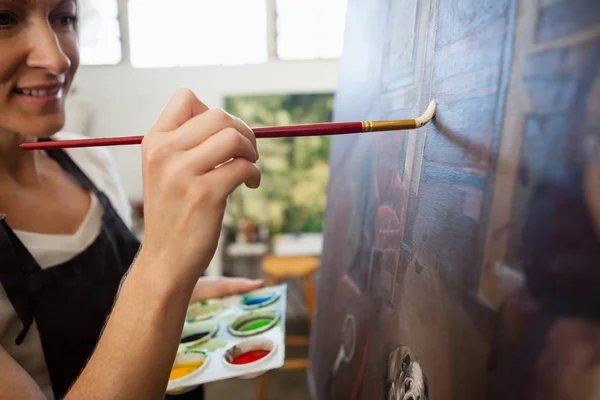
<point>161,274</point>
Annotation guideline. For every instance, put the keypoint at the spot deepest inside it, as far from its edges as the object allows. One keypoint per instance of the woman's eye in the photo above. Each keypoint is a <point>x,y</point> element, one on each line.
<point>6,20</point>
<point>66,20</point>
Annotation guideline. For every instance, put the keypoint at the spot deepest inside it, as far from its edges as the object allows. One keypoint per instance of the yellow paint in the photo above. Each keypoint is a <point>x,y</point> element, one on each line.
<point>182,370</point>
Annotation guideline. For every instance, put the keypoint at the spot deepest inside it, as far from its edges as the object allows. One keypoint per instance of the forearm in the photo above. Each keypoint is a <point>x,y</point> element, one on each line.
<point>135,353</point>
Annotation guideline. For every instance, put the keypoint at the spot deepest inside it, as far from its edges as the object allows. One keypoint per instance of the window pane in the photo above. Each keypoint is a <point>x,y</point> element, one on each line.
<point>99,32</point>
<point>293,192</point>
<point>197,32</point>
<point>310,29</point>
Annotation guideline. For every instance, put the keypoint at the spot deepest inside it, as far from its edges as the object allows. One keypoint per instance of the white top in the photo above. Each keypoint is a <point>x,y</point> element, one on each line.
<point>50,250</point>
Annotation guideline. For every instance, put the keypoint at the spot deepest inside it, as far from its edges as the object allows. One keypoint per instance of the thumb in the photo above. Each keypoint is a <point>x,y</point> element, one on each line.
<point>208,288</point>
<point>229,286</point>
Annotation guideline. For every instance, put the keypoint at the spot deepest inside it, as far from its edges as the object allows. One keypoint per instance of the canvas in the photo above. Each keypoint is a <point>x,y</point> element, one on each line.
<point>462,260</point>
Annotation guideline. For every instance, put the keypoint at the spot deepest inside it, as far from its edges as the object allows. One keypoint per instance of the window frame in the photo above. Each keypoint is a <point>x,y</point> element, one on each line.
<point>272,38</point>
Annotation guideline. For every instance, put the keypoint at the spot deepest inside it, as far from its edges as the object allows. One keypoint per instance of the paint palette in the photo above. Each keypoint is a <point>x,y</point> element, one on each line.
<point>240,336</point>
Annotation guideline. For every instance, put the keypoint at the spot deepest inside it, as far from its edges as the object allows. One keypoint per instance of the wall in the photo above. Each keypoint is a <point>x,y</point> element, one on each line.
<point>126,101</point>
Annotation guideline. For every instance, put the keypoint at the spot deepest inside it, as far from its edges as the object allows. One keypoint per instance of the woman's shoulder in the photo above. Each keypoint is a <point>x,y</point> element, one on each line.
<point>99,164</point>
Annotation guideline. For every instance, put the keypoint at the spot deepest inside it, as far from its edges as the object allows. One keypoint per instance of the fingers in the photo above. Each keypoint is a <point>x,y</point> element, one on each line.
<point>212,287</point>
<point>218,149</point>
<point>183,106</point>
<point>195,123</point>
<point>229,286</point>
<point>201,127</point>
<point>226,178</point>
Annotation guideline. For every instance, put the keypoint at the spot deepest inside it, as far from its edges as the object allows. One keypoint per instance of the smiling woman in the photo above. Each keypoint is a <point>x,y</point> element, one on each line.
<point>76,305</point>
<point>38,43</point>
<point>34,83</point>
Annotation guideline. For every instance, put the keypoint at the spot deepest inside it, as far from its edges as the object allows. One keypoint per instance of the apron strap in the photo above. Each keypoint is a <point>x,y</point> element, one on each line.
<point>12,273</point>
<point>13,279</point>
<point>19,262</point>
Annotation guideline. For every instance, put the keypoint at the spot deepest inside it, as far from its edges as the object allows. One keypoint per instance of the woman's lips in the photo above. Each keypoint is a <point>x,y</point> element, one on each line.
<point>40,94</point>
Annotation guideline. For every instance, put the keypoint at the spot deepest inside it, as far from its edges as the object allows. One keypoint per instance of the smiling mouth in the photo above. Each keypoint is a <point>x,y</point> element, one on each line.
<point>39,92</point>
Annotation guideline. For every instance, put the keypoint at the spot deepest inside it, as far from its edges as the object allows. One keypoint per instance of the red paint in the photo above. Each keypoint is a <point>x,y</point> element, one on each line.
<point>251,356</point>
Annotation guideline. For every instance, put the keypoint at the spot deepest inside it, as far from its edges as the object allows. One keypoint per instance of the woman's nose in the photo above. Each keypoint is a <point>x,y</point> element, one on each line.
<point>46,51</point>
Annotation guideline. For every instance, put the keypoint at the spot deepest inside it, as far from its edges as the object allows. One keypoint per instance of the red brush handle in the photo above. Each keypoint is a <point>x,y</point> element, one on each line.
<point>321,129</point>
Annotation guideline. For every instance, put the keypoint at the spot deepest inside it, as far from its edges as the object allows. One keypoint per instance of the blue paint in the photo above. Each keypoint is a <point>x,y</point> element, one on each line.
<point>457,177</point>
<point>566,18</point>
<point>257,300</point>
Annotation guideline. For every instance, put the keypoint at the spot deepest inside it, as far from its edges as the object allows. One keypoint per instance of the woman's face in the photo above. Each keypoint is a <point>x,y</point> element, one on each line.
<point>38,58</point>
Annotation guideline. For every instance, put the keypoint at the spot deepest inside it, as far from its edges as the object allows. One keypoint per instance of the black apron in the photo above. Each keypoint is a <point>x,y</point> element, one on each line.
<point>69,302</point>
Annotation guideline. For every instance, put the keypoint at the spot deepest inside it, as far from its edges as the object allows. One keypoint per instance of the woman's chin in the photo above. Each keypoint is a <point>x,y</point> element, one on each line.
<point>42,128</point>
<point>38,123</point>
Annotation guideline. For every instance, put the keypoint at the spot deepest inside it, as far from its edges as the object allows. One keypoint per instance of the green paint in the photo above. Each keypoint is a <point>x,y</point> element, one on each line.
<point>254,324</point>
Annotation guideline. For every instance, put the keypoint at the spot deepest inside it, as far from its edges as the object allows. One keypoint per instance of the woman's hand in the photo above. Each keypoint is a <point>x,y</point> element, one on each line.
<point>214,287</point>
<point>192,159</point>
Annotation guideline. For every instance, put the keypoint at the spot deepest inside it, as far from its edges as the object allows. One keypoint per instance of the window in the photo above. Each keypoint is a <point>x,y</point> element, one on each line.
<point>292,195</point>
<point>310,29</point>
<point>229,32</point>
<point>99,32</point>
<point>197,32</point>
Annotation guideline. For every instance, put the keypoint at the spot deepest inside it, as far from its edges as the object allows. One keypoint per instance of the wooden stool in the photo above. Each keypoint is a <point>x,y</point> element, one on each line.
<point>277,268</point>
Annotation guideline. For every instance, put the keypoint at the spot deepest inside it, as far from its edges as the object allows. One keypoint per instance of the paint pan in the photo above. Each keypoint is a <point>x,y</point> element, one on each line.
<point>188,364</point>
<point>253,323</point>
<point>247,355</point>
<point>197,333</point>
<point>259,298</point>
<point>202,311</point>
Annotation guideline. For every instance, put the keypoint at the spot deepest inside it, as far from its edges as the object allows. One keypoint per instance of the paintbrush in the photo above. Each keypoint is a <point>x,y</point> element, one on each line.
<point>319,129</point>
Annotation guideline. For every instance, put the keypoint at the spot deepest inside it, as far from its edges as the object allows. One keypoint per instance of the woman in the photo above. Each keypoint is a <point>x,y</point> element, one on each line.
<point>65,245</point>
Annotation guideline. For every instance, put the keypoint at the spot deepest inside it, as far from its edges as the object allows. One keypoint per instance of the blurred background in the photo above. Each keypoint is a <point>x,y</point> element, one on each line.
<point>269,62</point>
